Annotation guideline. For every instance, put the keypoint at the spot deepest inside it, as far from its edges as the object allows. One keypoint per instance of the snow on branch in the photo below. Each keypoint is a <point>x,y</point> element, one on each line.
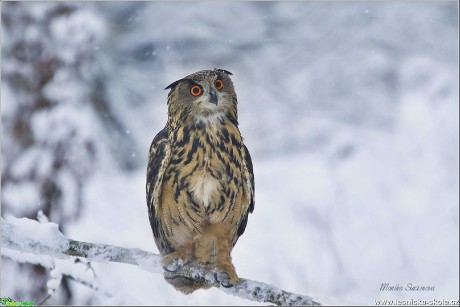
<point>24,235</point>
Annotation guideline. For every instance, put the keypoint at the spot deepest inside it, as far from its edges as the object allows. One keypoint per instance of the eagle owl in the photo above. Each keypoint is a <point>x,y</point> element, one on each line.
<point>200,181</point>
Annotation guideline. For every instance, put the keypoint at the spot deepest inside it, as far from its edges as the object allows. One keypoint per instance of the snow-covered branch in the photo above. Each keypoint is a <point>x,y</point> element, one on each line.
<point>44,239</point>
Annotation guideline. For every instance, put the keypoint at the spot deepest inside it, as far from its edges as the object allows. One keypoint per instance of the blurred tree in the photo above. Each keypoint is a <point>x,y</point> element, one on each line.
<point>54,109</point>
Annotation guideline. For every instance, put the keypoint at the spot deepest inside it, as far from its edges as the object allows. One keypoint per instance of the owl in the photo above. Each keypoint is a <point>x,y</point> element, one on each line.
<point>200,181</point>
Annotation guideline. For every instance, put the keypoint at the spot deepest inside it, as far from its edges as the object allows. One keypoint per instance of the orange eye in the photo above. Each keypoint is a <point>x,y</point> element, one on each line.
<point>219,84</point>
<point>196,90</point>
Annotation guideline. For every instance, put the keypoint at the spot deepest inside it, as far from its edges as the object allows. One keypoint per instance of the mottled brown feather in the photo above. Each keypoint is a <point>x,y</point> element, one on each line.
<point>200,181</point>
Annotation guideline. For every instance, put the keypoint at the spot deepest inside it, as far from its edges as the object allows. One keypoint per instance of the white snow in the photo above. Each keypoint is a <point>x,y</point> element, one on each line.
<point>350,112</point>
<point>41,217</point>
<point>55,281</point>
<point>77,31</point>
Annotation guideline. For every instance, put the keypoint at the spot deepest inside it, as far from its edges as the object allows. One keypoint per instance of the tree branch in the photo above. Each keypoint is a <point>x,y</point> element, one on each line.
<point>29,236</point>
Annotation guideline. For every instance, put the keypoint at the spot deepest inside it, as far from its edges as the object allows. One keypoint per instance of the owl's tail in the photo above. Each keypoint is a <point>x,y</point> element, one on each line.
<point>184,284</point>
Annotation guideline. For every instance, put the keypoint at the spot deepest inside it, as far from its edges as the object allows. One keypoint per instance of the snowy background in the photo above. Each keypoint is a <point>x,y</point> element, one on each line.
<point>350,111</point>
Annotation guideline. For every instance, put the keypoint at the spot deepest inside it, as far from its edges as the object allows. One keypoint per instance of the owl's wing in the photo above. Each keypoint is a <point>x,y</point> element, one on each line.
<point>159,155</point>
<point>249,187</point>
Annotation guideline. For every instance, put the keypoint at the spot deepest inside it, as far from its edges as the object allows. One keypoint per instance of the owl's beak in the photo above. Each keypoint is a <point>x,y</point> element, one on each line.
<point>213,95</point>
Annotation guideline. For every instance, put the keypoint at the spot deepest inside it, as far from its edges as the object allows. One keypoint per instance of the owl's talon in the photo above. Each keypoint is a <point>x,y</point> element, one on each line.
<point>225,280</point>
<point>170,265</point>
<point>227,285</point>
<point>221,277</point>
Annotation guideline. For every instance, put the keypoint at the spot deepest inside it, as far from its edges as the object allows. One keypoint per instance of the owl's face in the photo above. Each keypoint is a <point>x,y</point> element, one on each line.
<point>206,95</point>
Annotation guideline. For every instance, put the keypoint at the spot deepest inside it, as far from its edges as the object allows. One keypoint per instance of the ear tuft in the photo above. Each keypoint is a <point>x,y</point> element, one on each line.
<point>172,85</point>
<point>224,71</point>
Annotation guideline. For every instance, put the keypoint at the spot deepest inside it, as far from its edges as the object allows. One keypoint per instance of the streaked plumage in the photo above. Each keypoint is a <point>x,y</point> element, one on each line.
<point>200,182</point>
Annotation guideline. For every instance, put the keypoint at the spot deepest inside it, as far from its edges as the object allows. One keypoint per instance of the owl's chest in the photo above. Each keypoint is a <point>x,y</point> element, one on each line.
<point>204,187</point>
<point>206,170</point>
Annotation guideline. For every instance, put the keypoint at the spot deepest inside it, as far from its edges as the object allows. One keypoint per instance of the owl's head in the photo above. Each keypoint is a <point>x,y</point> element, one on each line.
<point>206,95</point>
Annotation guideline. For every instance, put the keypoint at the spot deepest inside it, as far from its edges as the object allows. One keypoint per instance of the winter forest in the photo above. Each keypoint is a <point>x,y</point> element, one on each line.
<point>350,111</point>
